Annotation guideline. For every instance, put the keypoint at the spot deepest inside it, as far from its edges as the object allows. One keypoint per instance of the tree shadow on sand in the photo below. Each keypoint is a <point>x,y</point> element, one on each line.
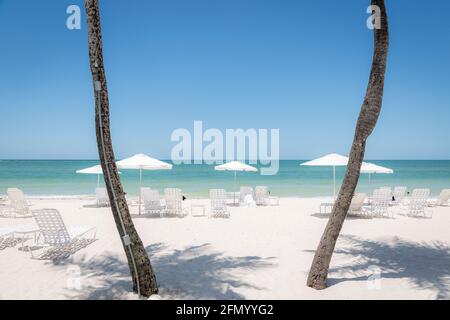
<point>426,265</point>
<point>196,272</point>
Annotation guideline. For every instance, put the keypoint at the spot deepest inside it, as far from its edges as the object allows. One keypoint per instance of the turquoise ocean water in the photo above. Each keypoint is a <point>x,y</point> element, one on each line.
<point>58,177</point>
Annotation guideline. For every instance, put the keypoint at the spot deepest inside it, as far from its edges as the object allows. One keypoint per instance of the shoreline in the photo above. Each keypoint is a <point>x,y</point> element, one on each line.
<point>135,197</point>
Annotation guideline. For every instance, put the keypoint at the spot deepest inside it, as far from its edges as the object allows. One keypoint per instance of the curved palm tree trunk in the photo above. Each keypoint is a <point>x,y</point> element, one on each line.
<point>367,120</point>
<point>144,280</point>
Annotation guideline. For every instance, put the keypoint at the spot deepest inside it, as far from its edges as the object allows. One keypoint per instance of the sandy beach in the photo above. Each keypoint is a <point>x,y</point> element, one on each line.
<point>259,253</point>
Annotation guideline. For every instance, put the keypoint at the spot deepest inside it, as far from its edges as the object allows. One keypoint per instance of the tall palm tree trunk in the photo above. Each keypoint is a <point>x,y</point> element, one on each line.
<point>367,120</point>
<point>144,280</point>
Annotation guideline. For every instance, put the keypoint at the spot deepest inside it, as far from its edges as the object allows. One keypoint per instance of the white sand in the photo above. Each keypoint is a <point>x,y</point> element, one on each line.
<point>260,253</point>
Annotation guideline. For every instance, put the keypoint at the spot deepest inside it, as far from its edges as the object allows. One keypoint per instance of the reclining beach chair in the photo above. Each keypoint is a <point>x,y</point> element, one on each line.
<point>233,197</point>
<point>102,198</point>
<point>380,202</point>
<point>442,200</point>
<point>60,240</point>
<point>10,236</point>
<point>219,208</point>
<point>398,194</point>
<point>7,239</point>
<point>174,202</point>
<point>18,206</point>
<point>386,188</point>
<point>418,203</point>
<point>5,211</point>
<point>263,197</point>
<point>152,203</point>
<point>246,197</point>
<point>356,206</point>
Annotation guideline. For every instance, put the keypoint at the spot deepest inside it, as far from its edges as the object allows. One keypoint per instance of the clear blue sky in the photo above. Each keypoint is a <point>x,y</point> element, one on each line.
<point>300,66</point>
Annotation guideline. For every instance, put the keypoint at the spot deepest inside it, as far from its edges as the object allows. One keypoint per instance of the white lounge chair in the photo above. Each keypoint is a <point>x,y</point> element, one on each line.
<point>18,205</point>
<point>356,206</point>
<point>5,211</point>
<point>387,188</point>
<point>102,197</point>
<point>263,197</point>
<point>219,208</point>
<point>246,197</point>
<point>233,197</point>
<point>10,236</point>
<point>380,202</point>
<point>61,241</point>
<point>152,203</point>
<point>442,200</point>
<point>7,239</point>
<point>174,202</point>
<point>418,204</point>
<point>399,195</point>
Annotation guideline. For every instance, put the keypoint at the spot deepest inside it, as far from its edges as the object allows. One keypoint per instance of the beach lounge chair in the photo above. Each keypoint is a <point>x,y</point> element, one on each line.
<point>143,189</point>
<point>219,208</point>
<point>174,202</point>
<point>386,188</point>
<point>442,200</point>
<point>18,206</point>
<point>59,240</point>
<point>7,239</point>
<point>418,203</point>
<point>12,235</point>
<point>5,211</point>
<point>232,197</point>
<point>102,197</point>
<point>246,197</point>
<point>356,206</point>
<point>263,198</point>
<point>398,194</point>
<point>380,202</point>
<point>152,203</point>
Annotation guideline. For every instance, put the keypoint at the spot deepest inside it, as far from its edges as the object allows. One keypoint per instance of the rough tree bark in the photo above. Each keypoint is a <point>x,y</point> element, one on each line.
<point>144,280</point>
<point>367,120</point>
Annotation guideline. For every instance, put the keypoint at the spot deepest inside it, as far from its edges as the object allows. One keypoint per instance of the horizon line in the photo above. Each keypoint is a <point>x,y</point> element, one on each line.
<point>246,160</point>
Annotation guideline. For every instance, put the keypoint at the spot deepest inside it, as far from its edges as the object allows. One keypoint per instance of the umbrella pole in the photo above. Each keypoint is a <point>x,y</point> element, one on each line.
<point>234,193</point>
<point>98,180</point>
<point>369,183</point>
<point>334,182</point>
<point>140,187</point>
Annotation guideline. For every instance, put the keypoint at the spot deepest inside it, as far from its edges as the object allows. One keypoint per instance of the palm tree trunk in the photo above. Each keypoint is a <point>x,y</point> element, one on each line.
<point>144,280</point>
<point>367,120</point>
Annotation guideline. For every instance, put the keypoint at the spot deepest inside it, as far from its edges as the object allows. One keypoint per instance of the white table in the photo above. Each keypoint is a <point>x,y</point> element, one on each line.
<point>198,206</point>
<point>326,205</point>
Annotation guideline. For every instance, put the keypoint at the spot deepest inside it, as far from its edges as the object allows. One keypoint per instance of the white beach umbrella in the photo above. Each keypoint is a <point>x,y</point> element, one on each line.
<point>371,168</point>
<point>335,160</point>
<point>142,162</point>
<point>330,160</point>
<point>93,170</point>
<point>235,166</point>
